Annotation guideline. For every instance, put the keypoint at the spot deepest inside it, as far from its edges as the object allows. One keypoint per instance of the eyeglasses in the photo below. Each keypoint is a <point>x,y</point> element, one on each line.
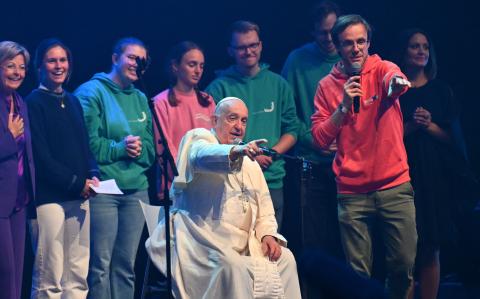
<point>252,47</point>
<point>349,44</point>
<point>13,67</point>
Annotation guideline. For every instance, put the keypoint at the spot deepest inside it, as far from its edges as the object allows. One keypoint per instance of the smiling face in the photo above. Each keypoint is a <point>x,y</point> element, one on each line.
<point>322,33</point>
<point>418,51</point>
<point>246,49</point>
<point>125,65</point>
<point>231,121</point>
<point>190,70</point>
<point>353,45</point>
<point>55,68</point>
<point>12,73</point>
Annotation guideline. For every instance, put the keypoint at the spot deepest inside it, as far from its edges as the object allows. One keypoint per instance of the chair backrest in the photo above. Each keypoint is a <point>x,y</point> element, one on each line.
<point>153,215</point>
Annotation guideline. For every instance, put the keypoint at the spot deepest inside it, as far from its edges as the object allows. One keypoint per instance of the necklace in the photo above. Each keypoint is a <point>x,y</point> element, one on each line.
<point>58,95</point>
<point>243,192</point>
<point>61,98</point>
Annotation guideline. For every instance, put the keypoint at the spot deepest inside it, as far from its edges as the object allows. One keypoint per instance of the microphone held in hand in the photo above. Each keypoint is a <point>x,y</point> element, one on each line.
<point>356,70</point>
<point>265,150</point>
<point>142,65</point>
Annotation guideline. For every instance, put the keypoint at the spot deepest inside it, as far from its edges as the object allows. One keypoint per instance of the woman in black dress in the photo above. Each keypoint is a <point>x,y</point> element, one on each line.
<point>430,118</point>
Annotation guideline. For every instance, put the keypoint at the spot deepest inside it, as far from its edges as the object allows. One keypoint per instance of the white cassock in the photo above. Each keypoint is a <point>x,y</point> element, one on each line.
<point>221,212</point>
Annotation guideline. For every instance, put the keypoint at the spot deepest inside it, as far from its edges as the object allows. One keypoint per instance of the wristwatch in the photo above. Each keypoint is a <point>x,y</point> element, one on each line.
<point>342,108</point>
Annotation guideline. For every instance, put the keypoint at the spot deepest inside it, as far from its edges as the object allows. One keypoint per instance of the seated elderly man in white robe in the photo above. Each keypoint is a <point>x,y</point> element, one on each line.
<point>225,241</point>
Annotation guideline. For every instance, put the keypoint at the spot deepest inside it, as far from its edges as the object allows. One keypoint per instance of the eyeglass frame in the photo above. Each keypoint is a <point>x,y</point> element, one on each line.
<point>349,44</point>
<point>252,47</point>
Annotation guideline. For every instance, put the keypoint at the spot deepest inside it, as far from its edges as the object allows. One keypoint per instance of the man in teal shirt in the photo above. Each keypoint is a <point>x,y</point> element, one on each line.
<point>303,69</point>
<point>269,99</point>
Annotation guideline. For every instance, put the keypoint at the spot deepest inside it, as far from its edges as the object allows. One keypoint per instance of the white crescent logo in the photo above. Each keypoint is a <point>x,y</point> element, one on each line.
<point>140,120</point>
<point>272,107</point>
<point>266,110</point>
<point>144,117</point>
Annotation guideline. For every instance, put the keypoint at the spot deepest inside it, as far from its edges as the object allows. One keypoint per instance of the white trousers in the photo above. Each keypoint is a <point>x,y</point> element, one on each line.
<point>61,240</point>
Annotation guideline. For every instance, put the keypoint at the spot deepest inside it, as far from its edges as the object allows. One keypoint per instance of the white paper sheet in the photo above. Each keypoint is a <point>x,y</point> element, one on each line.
<point>107,187</point>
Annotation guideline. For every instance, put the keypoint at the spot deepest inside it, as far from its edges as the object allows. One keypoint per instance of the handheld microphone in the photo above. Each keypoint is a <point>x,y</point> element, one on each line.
<point>269,152</point>
<point>142,65</point>
<point>356,70</point>
<point>266,151</point>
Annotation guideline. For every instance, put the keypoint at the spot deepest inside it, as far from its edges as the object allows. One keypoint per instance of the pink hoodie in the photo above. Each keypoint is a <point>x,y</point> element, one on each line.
<point>178,120</point>
<point>371,155</point>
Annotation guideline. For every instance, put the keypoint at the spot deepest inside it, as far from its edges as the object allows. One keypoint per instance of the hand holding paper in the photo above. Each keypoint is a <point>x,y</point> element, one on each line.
<point>106,187</point>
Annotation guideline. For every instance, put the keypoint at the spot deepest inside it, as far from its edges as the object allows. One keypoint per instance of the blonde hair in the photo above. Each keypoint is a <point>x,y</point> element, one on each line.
<point>9,50</point>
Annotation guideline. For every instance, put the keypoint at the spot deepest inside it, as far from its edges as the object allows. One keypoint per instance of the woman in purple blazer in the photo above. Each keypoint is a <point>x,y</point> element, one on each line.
<point>16,168</point>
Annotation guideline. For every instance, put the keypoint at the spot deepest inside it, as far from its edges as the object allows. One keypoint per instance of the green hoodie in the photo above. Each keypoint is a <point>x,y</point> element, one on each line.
<point>111,114</point>
<point>271,107</point>
<point>304,68</point>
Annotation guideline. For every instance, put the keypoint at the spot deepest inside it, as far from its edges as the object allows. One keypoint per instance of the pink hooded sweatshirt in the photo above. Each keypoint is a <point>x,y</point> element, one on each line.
<point>371,155</point>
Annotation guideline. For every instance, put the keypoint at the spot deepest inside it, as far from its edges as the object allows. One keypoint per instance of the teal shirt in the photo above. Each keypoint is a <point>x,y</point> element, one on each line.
<point>304,68</point>
<point>111,114</point>
<point>271,109</point>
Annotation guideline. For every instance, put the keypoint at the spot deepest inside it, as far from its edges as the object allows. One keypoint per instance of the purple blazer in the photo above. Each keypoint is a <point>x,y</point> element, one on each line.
<point>9,160</point>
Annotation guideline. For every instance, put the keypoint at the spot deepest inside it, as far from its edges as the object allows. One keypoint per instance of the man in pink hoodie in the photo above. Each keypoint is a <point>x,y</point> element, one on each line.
<point>370,165</point>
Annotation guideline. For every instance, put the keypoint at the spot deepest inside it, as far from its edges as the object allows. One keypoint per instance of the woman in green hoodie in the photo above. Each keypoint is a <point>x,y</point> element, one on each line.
<point>119,124</point>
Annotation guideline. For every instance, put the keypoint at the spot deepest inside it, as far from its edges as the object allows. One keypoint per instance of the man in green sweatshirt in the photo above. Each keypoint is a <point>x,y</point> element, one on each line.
<point>303,69</point>
<point>269,99</point>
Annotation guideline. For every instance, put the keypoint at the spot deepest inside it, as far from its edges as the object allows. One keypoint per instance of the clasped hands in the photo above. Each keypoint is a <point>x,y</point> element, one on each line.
<point>133,146</point>
<point>422,117</point>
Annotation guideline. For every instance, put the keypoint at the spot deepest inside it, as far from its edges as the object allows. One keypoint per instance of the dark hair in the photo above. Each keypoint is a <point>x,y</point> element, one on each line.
<point>243,26</point>
<point>121,44</point>
<point>401,47</point>
<point>322,9</point>
<point>43,47</point>
<point>175,57</point>
<point>345,21</point>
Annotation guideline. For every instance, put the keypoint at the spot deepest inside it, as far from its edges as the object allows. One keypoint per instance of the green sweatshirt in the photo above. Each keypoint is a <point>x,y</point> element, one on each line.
<point>304,68</point>
<point>111,114</point>
<point>271,109</point>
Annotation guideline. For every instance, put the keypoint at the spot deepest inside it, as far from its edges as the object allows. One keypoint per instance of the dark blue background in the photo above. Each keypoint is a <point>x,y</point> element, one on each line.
<point>91,27</point>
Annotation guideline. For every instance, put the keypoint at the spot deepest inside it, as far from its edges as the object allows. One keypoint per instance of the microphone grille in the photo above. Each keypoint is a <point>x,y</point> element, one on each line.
<point>356,69</point>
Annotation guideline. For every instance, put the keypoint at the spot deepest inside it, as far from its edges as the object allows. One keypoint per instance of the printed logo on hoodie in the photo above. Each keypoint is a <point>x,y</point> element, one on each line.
<point>139,120</point>
<point>267,109</point>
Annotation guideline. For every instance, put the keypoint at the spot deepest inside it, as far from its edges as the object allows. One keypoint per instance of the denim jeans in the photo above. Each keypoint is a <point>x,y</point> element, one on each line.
<point>116,228</point>
<point>394,211</point>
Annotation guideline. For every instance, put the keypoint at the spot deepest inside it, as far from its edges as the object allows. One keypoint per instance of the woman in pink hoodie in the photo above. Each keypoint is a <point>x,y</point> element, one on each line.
<point>182,106</point>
